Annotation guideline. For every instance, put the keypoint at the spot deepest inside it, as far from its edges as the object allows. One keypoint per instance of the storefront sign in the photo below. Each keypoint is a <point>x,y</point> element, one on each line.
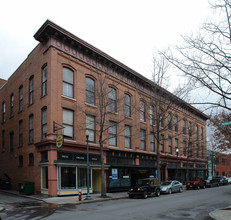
<point>114,174</point>
<point>59,141</point>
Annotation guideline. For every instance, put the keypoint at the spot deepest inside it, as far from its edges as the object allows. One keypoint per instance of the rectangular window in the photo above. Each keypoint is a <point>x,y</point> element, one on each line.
<point>184,148</point>
<point>184,126</point>
<point>127,136</point>
<point>142,111</point>
<point>190,129</point>
<point>90,126</point>
<point>68,178</point>
<point>112,100</point>
<point>44,81</point>
<point>20,99</point>
<point>68,82</point>
<point>127,105</point>
<point>170,145</point>
<point>90,91</point>
<point>44,177</point>
<point>142,139</point>
<point>31,90</point>
<point>82,177</point>
<point>223,161</point>
<point>202,151</point>
<point>3,112</point>
<point>151,113</point>
<point>11,105</point>
<point>31,159</point>
<point>190,149</point>
<point>202,134</point>
<point>162,143</point>
<point>176,144</point>
<point>31,129</point>
<point>197,132</point>
<point>112,133</point>
<point>68,123</point>
<point>20,161</point>
<point>169,121</point>
<point>3,141</point>
<point>198,150</point>
<point>152,142</point>
<point>176,123</point>
<point>11,142</point>
<point>44,122</point>
<point>20,141</point>
<point>161,118</point>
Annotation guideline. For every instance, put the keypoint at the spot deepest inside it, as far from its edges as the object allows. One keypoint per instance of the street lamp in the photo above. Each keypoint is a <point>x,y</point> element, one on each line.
<point>177,151</point>
<point>88,197</point>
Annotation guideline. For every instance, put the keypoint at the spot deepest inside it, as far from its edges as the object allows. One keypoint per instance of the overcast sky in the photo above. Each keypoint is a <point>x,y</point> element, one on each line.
<point>128,30</point>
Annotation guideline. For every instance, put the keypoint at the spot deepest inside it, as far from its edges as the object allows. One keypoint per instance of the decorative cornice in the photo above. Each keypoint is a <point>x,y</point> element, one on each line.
<point>51,34</point>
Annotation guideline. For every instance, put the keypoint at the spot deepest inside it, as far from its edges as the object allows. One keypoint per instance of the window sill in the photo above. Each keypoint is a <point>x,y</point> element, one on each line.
<point>90,105</point>
<point>69,98</point>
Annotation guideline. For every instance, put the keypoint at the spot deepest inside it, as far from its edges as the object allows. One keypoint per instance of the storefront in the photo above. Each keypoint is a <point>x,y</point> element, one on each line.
<point>71,173</point>
<point>127,167</point>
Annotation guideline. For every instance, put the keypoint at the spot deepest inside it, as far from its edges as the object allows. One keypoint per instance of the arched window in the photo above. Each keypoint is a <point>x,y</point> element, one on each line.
<point>142,111</point>
<point>127,105</point>
<point>31,90</point>
<point>112,100</point>
<point>44,81</point>
<point>68,82</point>
<point>90,91</point>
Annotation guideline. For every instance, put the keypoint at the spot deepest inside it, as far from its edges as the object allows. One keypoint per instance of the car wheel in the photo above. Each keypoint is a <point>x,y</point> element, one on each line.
<point>145,194</point>
<point>181,190</point>
<point>157,193</point>
<point>203,187</point>
<point>170,191</point>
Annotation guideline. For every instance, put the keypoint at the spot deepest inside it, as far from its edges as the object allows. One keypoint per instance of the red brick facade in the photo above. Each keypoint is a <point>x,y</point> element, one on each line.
<point>58,49</point>
<point>223,164</point>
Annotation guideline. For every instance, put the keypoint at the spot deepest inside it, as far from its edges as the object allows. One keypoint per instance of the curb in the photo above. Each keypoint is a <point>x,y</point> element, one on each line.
<point>1,209</point>
<point>211,215</point>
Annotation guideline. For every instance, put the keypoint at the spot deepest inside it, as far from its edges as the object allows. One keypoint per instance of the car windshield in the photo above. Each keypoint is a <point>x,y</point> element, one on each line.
<point>166,183</point>
<point>142,182</point>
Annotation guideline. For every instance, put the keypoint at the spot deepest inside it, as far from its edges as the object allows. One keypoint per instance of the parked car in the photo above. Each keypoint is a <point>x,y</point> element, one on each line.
<point>213,182</point>
<point>223,180</point>
<point>145,187</point>
<point>197,183</point>
<point>229,180</point>
<point>171,186</point>
<point>5,182</point>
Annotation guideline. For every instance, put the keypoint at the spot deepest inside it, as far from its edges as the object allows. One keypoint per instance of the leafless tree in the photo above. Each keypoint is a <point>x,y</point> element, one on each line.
<point>205,59</point>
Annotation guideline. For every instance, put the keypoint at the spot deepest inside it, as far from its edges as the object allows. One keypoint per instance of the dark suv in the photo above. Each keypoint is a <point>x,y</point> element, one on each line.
<point>145,187</point>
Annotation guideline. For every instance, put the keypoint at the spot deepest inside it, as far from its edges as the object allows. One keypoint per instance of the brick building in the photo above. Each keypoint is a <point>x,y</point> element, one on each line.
<point>223,164</point>
<point>55,91</point>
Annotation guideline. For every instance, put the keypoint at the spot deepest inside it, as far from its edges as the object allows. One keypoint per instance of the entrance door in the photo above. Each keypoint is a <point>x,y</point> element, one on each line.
<point>96,179</point>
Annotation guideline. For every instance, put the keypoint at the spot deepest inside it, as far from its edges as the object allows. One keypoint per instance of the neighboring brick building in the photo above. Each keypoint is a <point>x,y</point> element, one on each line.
<point>223,164</point>
<point>55,88</point>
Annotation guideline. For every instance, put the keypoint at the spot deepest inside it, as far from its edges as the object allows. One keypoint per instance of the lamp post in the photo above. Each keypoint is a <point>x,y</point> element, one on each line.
<point>177,151</point>
<point>88,197</point>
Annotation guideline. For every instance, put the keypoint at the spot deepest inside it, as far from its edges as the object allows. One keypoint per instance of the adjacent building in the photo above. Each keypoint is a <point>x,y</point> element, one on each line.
<point>66,86</point>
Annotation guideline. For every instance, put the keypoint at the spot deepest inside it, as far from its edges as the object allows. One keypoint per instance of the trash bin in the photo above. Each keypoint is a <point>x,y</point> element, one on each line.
<point>26,188</point>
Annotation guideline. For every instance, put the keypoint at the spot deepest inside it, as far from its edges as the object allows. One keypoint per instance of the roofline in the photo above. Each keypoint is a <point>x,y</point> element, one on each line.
<point>49,28</point>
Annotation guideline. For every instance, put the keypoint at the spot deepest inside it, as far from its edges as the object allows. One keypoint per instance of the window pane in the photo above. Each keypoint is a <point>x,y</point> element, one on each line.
<point>68,75</point>
<point>67,116</point>
<point>67,90</point>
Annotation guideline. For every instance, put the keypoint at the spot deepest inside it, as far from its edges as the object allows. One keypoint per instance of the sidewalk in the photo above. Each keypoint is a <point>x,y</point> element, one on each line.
<point>219,214</point>
<point>63,200</point>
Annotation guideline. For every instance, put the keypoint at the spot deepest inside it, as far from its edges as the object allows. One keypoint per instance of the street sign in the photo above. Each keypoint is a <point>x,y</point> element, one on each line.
<point>225,123</point>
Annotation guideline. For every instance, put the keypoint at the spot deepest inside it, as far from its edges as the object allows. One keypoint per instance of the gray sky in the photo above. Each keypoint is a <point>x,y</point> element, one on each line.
<point>127,30</point>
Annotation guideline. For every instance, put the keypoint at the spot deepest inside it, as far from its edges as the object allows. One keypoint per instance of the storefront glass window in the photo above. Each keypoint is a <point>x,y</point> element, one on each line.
<point>82,178</point>
<point>44,178</point>
<point>68,178</point>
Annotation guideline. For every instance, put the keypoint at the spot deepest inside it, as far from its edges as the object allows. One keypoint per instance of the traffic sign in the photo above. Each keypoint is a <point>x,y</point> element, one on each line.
<point>225,123</point>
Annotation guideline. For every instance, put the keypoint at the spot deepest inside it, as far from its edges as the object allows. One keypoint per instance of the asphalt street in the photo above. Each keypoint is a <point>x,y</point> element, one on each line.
<point>189,205</point>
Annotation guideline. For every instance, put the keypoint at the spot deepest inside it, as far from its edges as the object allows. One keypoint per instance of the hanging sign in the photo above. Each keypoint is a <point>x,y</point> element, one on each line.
<point>59,141</point>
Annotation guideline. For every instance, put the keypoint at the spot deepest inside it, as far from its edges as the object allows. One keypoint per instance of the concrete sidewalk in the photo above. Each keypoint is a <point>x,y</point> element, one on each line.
<point>219,214</point>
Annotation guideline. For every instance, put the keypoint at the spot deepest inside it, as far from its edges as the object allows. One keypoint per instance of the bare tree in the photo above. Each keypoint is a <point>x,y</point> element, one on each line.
<point>205,59</point>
